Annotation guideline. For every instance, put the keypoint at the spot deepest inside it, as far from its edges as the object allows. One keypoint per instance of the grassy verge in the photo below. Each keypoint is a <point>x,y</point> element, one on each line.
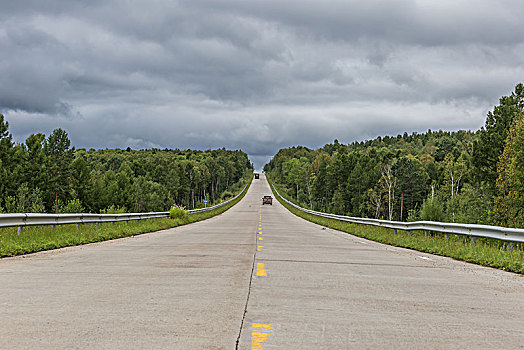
<point>39,238</point>
<point>486,252</point>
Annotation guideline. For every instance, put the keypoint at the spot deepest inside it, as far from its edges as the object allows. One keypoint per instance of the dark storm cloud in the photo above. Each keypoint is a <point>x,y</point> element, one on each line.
<point>255,75</point>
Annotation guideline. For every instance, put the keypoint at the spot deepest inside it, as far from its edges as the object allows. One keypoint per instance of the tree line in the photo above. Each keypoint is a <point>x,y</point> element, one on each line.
<point>460,176</point>
<point>45,174</point>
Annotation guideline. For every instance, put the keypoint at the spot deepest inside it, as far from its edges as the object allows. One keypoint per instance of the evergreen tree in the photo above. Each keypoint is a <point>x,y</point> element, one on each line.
<point>59,158</point>
<point>6,162</point>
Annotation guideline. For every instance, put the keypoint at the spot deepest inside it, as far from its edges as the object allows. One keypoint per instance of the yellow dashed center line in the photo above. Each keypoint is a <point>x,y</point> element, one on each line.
<point>259,247</point>
<point>261,271</point>
<point>259,335</point>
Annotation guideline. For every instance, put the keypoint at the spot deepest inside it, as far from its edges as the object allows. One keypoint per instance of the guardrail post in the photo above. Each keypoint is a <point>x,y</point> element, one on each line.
<point>77,226</point>
<point>474,240</point>
<point>510,246</point>
<point>395,231</point>
<point>20,230</point>
<point>447,236</point>
<point>53,227</point>
<point>426,234</point>
<point>410,232</point>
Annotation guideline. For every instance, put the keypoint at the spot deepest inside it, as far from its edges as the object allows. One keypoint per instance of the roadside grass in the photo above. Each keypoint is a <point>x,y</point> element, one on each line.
<point>486,252</point>
<point>40,238</point>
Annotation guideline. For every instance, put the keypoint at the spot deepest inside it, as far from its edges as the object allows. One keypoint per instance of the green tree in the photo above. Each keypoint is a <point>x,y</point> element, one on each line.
<point>432,210</point>
<point>6,152</point>
<point>412,184</point>
<point>23,199</point>
<point>35,165</point>
<point>36,202</point>
<point>509,203</point>
<point>388,183</point>
<point>59,158</point>
<point>80,178</point>
<point>293,174</point>
<point>72,206</point>
<point>454,172</point>
<point>491,137</point>
<point>471,206</point>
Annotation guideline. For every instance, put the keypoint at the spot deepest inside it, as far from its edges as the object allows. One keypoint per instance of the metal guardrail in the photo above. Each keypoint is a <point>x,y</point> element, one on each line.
<point>472,230</point>
<point>34,219</point>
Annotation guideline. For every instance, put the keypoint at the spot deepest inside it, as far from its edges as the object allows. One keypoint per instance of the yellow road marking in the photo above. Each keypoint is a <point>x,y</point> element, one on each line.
<point>259,232</point>
<point>260,238</point>
<point>260,228</point>
<point>259,247</point>
<point>260,270</point>
<point>262,326</point>
<point>261,332</point>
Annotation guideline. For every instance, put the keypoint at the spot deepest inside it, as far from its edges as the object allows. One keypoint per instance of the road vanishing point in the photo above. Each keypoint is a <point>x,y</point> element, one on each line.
<point>255,277</point>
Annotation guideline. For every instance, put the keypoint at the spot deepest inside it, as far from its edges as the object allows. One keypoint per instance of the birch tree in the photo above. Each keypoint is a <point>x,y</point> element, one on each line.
<point>389,181</point>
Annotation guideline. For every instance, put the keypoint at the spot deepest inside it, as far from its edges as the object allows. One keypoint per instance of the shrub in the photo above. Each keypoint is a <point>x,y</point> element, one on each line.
<point>432,210</point>
<point>114,210</point>
<point>10,204</point>
<point>73,206</point>
<point>178,212</point>
<point>413,215</point>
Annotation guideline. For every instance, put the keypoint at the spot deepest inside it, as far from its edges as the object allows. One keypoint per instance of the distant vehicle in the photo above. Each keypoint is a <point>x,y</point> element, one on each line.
<point>257,175</point>
<point>267,200</point>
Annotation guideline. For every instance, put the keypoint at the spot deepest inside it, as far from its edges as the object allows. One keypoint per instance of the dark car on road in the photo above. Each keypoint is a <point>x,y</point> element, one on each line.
<point>267,200</point>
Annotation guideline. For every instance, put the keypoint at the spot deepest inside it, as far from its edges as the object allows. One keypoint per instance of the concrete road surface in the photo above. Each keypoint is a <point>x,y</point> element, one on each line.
<point>257,275</point>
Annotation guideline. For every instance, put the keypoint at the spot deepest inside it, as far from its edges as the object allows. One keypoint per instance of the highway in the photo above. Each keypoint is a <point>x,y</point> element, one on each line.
<point>255,277</point>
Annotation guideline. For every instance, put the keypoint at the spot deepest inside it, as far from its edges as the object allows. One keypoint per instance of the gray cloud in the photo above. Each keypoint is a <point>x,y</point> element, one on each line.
<point>254,75</point>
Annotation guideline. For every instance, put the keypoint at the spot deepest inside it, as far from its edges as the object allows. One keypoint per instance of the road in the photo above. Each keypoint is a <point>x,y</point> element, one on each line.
<point>256,277</point>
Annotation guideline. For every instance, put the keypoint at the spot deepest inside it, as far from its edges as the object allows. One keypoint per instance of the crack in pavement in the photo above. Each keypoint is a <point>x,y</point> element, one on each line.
<point>248,293</point>
<point>351,263</point>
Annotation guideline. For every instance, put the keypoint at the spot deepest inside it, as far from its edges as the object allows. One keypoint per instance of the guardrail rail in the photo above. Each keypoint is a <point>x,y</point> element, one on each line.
<point>472,230</point>
<point>21,220</point>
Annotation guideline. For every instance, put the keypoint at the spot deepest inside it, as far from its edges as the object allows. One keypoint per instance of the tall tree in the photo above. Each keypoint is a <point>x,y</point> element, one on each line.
<point>59,158</point>
<point>80,176</point>
<point>389,182</point>
<point>6,151</point>
<point>36,161</point>
<point>490,144</point>
<point>412,184</point>
<point>454,171</point>
<point>509,205</point>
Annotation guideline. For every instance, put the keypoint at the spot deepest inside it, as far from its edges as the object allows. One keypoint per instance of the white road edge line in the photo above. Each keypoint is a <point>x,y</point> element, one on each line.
<point>425,258</point>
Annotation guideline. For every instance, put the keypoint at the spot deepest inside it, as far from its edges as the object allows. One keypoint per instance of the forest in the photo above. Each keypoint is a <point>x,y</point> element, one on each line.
<point>460,176</point>
<point>45,174</point>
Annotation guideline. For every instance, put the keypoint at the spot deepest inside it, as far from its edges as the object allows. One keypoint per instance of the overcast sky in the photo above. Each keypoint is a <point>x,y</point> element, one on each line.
<point>254,75</point>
